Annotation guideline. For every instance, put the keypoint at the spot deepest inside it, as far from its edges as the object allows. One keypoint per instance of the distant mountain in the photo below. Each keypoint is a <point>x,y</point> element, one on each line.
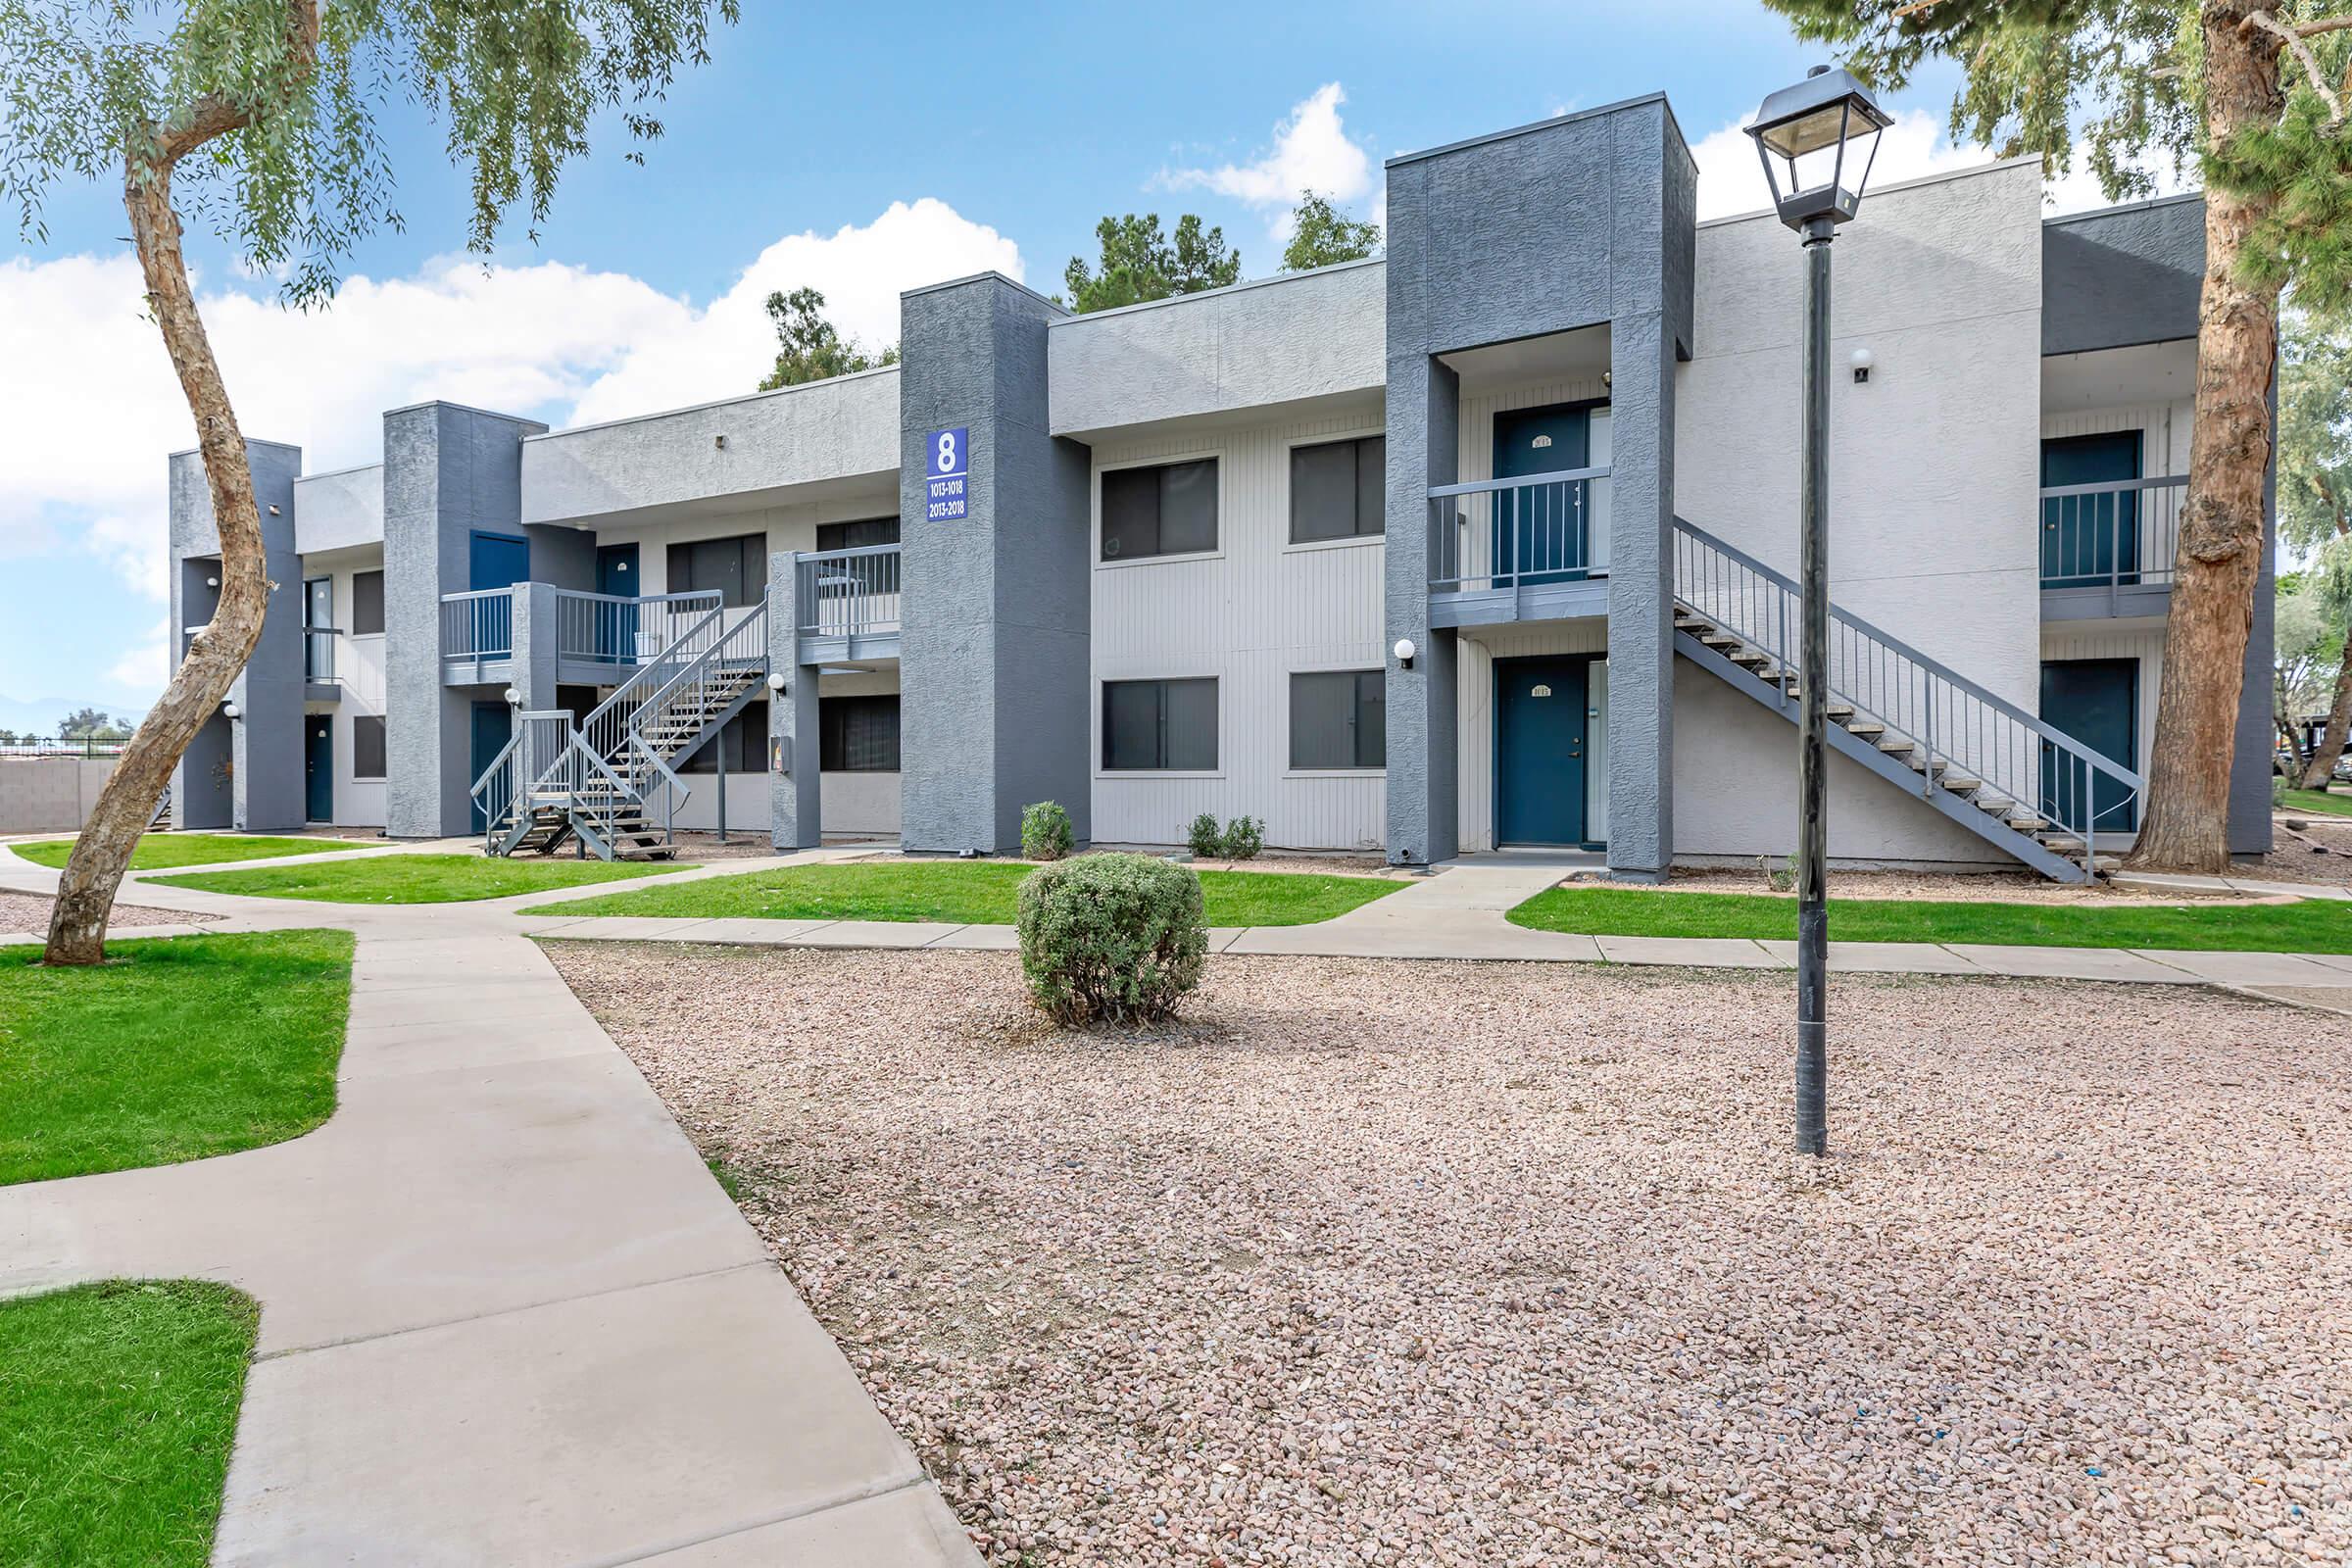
<point>40,716</point>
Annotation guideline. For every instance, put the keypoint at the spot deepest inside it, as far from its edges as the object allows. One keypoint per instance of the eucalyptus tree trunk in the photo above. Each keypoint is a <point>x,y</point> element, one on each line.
<point>2219,562</point>
<point>93,873</point>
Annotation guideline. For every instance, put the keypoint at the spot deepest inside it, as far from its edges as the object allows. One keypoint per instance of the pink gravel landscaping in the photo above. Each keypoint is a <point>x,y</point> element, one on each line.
<point>1387,1264</point>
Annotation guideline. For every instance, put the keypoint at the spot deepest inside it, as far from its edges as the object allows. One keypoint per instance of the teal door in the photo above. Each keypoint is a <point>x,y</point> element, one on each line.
<point>1542,533</point>
<point>616,624</point>
<point>2088,541</point>
<point>1539,751</point>
<point>497,559</point>
<point>319,767</point>
<point>493,727</point>
<point>2096,701</point>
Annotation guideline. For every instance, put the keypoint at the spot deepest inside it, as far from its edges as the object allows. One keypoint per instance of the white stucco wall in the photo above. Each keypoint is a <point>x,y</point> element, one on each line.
<point>360,669</point>
<point>1934,465</point>
<point>339,510</point>
<point>1250,613</point>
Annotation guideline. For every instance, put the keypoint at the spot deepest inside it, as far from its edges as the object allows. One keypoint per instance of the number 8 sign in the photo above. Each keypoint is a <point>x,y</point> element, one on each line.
<point>945,496</point>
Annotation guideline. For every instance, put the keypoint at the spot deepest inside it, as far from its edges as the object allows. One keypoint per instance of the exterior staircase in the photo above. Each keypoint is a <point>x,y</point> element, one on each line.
<point>609,785</point>
<point>2030,789</point>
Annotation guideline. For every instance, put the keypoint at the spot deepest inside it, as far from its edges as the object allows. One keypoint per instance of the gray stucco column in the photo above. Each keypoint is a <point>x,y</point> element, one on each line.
<point>536,644</point>
<point>447,470</point>
<point>247,773</point>
<point>1424,724</point>
<point>1641,741</point>
<point>994,698</point>
<point>794,786</point>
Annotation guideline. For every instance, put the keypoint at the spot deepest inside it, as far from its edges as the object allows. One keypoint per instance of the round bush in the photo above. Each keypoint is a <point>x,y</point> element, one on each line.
<point>1205,838</point>
<point>1045,831</point>
<point>1111,937</point>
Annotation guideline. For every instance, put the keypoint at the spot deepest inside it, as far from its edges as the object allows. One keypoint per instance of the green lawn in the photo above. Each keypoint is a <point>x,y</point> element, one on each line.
<point>414,878</point>
<point>2315,926</point>
<point>2316,803</point>
<point>175,1049</point>
<point>963,892</point>
<point>158,851</point>
<point>118,1409</point>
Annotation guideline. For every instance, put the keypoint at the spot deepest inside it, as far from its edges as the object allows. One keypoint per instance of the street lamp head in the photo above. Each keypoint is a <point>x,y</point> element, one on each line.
<point>1816,141</point>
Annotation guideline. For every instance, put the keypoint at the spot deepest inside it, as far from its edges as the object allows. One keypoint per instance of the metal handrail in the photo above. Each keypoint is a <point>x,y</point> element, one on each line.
<point>318,652</point>
<point>1525,530</point>
<point>2083,528</point>
<point>1956,723</point>
<point>621,628</point>
<point>848,593</point>
<point>478,624</point>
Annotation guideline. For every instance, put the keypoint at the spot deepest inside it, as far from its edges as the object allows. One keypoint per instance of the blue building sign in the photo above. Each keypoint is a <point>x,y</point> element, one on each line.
<point>950,475</point>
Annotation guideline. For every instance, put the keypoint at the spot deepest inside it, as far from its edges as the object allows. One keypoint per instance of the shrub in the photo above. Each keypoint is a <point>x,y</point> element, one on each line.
<point>1114,937</point>
<point>1045,831</point>
<point>1244,836</point>
<point>1205,838</point>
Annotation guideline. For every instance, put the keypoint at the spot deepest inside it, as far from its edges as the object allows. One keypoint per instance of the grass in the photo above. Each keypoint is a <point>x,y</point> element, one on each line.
<point>414,878</point>
<point>118,1409</point>
<point>160,851</point>
<point>2316,803</point>
<point>2313,926</point>
<point>175,1049</point>
<point>961,893</point>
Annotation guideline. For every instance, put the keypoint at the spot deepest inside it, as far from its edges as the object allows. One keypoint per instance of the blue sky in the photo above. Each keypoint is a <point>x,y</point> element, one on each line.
<point>1004,140</point>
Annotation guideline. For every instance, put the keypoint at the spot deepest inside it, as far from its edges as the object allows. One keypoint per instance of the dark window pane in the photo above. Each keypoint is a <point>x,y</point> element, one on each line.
<point>1372,719</point>
<point>1131,724</point>
<point>1188,508</point>
<point>736,567</point>
<point>858,734</point>
<point>1321,708</point>
<point>1322,492</point>
<point>368,746</point>
<point>1372,485</point>
<point>1190,724</point>
<point>1130,514</point>
<point>858,536</point>
<point>366,602</point>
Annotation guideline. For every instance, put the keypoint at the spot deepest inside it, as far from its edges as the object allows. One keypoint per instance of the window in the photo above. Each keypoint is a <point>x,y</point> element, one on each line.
<point>736,567</point>
<point>743,742</point>
<point>1338,490</point>
<point>1159,725</point>
<point>1340,718</point>
<point>368,745</point>
<point>858,734</point>
<point>367,604</point>
<point>858,536</point>
<point>1170,509</point>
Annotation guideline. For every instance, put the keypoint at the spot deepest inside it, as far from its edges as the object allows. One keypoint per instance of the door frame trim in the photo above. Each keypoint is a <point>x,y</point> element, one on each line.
<point>1584,816</point>
<point>326,733</point>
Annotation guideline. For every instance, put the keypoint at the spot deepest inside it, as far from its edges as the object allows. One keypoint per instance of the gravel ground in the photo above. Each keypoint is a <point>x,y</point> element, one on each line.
<point>2001,887</point>
<point>1306,1281</point>
<point>2294,859</point>
<point>29,912</point>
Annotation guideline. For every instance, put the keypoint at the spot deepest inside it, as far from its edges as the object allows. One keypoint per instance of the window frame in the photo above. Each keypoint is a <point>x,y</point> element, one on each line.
<point>860,697</point>
<point>1289,690</point>
<point>1354,541</point>
<point>384,743</point>
<point>1101,727</point>
<point>377,573</point>
<point>1215,456</point>
<point>897,528</point>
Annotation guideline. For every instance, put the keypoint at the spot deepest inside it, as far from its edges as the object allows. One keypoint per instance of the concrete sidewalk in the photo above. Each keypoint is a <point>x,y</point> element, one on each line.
<point>507,1314</point>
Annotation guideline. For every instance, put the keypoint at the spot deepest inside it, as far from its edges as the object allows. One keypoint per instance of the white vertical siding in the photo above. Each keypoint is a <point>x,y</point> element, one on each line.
<point>2164,430</point>
<point>1481,646</point>
<point>1250,613</point>
<point>359,667</point>
<point>1475,453</point>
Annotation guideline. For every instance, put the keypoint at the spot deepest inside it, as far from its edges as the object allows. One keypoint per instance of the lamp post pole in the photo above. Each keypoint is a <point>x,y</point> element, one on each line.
<point>1812,792</point>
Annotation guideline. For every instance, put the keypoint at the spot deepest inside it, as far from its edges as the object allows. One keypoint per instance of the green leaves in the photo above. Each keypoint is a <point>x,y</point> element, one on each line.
<point>808,348</point>
<point>1138,264</point>
<point>1321,235</point>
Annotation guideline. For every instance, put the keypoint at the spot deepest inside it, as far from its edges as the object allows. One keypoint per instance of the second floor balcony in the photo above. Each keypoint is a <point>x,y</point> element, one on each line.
<point>1533,547</point>
<point>845,604</point>
<point>2107,548</point>
<point>596,636</point>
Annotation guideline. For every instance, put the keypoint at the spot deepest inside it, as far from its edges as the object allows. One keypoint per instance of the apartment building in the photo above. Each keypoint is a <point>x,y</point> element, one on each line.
<point>1482,544</point>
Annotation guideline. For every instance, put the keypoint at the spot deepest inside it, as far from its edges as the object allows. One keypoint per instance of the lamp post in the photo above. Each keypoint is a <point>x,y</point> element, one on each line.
<point>1804,135</point>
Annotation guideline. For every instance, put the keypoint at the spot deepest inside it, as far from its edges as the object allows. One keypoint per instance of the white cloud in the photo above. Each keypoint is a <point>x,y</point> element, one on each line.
<point>146,664</point>
<point>1731,180</point>
<point>1311,152</point>
<point>83,465</point>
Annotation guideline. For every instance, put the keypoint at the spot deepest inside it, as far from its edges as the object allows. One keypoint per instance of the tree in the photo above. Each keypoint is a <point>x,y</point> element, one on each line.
<point>1138,263</point>
<point>85,724</point>
<point>2308,640</point>
<point>2247,89</point>
<point>1321,235</point>
<point>808,348</point>
<point>2314,495</point>
<point>259,115</point>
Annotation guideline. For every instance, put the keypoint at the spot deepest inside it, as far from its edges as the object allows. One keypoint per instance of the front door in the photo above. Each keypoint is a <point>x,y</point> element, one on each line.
<point>493,727</point>
<point>1542,534</point>
<point>616,624</point>
<point>1539,751</point>
<point>2088,541</point>
<point>2096,701</point>
<point>319,767</point>
<point>496,560</point>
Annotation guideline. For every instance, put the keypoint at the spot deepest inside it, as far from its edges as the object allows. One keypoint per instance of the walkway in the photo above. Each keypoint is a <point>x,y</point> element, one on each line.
<point>507,1315</point>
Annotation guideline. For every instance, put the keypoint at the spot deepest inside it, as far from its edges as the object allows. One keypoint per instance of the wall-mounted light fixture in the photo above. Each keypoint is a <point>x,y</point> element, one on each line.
<point>212,582</point>
<point>231,711</point>
<point>776,680</point>
<point>1404,652</point>
<point>720,442</point>
<point>513,697</point>
<point>1861,359</point>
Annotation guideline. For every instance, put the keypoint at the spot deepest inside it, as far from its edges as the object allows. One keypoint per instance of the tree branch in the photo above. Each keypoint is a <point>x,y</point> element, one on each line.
<point>2293,38</point>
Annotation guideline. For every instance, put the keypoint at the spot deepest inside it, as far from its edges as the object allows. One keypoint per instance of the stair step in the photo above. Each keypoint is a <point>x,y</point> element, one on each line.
<point>2027,822</point>
<point>1960,783</point>
<point>1896,745</point>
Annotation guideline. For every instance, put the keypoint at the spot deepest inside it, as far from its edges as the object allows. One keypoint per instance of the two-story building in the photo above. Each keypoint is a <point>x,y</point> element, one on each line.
<point>1481,544</point>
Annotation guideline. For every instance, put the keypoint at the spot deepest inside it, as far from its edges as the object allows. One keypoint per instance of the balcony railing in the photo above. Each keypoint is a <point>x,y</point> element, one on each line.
<point>318,655</point>
<point>614,629</point>
<point>479,625</point>
<point>2118,534</point>
<point>1520,532</point>
<point>848,593</point>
